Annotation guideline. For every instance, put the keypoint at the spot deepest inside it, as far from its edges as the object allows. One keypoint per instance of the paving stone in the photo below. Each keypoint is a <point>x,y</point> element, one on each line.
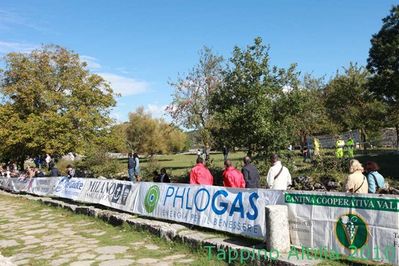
<point>38,231</point>
<point>151,247</point>
<point>69,255</point>
<point>8,243</point>
<point>59,262</point>
<point>111,249</point>
<point>21,256</point>
<point>32,241</point>
<point>81,250</point>
<point>121,262</point>
<point>86,256</point>
<point>106,257</point>
<point>21,262</point>
<point>186,261</point>
<point>147,261</point>
<point>82,263</point>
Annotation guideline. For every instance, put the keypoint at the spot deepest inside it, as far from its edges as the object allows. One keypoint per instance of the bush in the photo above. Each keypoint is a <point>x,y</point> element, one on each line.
<point>98,163</point>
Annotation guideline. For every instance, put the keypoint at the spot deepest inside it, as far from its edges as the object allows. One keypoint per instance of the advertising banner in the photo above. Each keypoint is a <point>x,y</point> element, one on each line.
<point>43,186</point>
<point>69,188</point>
<point>361,227</point>
<point>238,211</point>
<point>112,193</point>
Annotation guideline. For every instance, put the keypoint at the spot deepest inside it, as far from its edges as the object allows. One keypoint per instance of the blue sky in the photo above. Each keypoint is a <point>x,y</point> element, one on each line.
<point>139,46</point>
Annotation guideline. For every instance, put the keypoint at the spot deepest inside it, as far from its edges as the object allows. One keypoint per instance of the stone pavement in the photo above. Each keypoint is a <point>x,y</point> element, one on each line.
<point>34,234</point>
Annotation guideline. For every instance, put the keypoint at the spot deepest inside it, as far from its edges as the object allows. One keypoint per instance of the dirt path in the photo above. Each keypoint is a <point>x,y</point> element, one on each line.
<point>34,234</point>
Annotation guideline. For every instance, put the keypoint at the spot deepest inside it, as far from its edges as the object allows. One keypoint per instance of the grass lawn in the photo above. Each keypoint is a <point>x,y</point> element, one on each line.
<point>179,165</point>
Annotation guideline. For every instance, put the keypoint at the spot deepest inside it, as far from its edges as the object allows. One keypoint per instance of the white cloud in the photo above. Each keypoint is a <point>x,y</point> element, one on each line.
<point>92,62</point>
<point>9,20</point>
<point>124,85</point>
<point>7,47</point>
<point>156,110</point>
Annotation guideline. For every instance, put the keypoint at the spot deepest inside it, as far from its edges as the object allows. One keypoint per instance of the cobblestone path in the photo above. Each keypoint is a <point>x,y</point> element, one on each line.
<point>34,234</point>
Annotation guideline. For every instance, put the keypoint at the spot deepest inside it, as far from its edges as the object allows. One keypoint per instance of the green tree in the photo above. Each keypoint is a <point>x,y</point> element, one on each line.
<point>244,105</point>
<point>149,135</point>
<point>303,110</point>
<point>50,103</point>
<point>351,105</point>
<point>383,64</point>
<point>190,104</point>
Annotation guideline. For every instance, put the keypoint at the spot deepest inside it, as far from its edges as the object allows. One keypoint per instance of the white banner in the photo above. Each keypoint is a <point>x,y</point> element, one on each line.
<point>43,186</point>
<point>238,211</point>
<point>69,188</point>
<point>108,192</point>
<point>362,227</point>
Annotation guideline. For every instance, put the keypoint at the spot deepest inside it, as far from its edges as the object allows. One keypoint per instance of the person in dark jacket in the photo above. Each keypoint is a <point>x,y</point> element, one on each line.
<point>163,177</point>
<point>251,174</point>
<point>131,165</point>
<point>53,169</point>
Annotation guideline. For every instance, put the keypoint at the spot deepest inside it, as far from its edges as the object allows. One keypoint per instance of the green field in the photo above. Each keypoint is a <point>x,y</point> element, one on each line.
<point>178,166</point>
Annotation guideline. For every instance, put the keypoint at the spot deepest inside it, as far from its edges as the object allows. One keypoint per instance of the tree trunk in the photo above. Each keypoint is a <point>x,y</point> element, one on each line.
<point>397,136</point>
<point>363,137</point>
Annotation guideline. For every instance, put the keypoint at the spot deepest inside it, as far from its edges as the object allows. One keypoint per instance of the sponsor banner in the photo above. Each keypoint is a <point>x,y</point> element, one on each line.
<point>43,186</point>
<point>238,211</point>
<point>4,182</point>
<point>112,193</point>
<point>359,226</point>
<point>69,188</point>
<point>18,184</point>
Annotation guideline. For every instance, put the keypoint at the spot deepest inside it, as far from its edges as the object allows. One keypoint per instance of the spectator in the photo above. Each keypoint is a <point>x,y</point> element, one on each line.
<point>48,160</point>
<point>225,152</point>
<point>375,179</point>
<point>163,177</point>
<point>70,171</point>
<point>131,165</point>
<point>39,173</point>
<point>136,166</point>
<point>200,175</point>
<point>356,181</point>
<point>53,169</point>
<point>251,174</point>
<point>278,176</point>
<point>232,177</point>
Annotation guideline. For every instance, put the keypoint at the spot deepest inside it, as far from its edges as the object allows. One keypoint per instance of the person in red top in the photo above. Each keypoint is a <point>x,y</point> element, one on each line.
<point>232,177</point>
<point>200,175</point>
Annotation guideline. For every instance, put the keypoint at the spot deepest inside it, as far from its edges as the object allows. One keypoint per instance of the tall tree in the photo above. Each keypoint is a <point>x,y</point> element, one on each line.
<point>303,110</point>
<point>351,105</point>
<point>243,106</point>
<point>190,104</point>
<point>383,63</point>
<point>50,103</point>
<point>149,135</point>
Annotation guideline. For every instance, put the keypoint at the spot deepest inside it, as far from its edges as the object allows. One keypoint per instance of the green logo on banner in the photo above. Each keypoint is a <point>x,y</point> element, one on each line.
<point>151,199</point>
<point>351,231</point>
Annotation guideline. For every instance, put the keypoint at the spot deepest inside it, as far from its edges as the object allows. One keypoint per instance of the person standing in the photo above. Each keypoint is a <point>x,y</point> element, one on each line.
<point>200,175</point>
<point>70,171</point>
<point>136,166</point>
<point>316,147</point>
<point>163,177</point>
<point>356,181</point>
<point>53,169</point>
<point>232,177</point>
<point>339,148</point>
<point>278,176</point>
<point>225,152</point>
<point>131,164</point>
<point>374,178</point>
<point>350,145</point>
<point>251,174</point>
<point>48,160</point>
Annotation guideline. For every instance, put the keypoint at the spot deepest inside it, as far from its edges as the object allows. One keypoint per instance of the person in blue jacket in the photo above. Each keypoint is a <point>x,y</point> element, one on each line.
<point>375,179</point>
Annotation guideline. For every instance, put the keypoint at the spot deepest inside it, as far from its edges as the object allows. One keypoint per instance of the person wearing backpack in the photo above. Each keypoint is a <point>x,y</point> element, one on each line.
<point>278,177</point>
<point>356,181</point>
<point>375,179</point>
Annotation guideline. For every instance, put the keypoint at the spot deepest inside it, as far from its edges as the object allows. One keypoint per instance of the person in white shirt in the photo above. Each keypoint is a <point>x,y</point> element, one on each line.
<point>278,177</point>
